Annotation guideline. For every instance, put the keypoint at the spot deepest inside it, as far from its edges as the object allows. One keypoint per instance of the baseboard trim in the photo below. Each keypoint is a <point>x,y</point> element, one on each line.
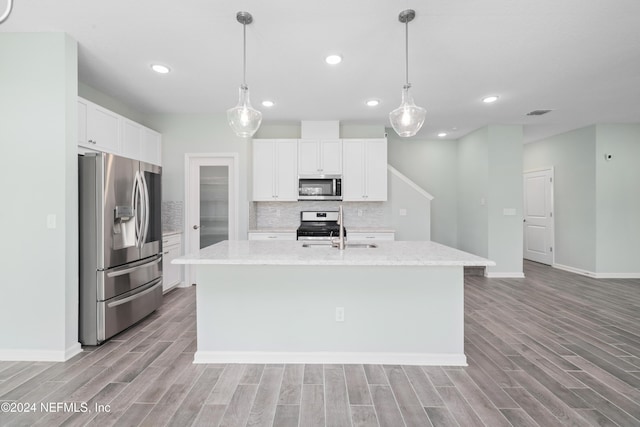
<point>501,275</point>
<point>423,359</point>
<point>597,275</point>
<point>25,355</point>
<point>617,275</point>
<point>72,351</point>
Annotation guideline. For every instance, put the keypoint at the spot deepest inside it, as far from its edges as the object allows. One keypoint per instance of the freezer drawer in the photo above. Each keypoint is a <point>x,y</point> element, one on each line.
<point>119,280</point>
<point>117,314</point>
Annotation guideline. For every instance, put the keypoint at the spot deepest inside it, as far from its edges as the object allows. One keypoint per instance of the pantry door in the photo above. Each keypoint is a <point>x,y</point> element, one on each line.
<point>538,225</point>
<point>212,202</point>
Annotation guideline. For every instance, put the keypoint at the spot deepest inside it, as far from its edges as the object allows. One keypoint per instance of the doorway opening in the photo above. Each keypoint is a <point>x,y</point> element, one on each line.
<point>211,201</point>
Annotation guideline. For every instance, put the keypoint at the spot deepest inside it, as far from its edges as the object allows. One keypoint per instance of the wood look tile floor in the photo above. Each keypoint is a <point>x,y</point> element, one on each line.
<point>553,349</point>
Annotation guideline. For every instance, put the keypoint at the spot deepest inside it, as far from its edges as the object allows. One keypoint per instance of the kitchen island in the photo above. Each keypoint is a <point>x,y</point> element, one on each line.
<point>284,302</point>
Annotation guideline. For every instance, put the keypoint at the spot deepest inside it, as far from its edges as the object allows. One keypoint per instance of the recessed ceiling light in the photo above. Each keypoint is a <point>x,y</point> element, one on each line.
<point>267,103</point>
<point>442,134</point>
<point>160,69</point>
<point>490,99</point>
<point>333,59</point>
<point>373,102</point>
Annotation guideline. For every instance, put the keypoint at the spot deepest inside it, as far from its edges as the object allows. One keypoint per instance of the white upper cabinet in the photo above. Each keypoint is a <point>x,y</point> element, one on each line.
<point>275,172</point>
<point>131,139</point>
<point>102,130</point>
<point>98,128</point>
<point>365,170</point>
<point>320,157</point>
<point>151,146</point>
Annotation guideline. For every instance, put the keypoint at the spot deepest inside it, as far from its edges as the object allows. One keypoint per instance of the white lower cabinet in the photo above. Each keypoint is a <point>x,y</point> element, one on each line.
<point>368,236</point>
<point>262,235</point>
<point>171,273</point>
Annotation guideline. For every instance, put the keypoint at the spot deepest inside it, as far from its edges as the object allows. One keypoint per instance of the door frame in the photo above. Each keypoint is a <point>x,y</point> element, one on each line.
<point>209,159</point>
<point>553,208</point>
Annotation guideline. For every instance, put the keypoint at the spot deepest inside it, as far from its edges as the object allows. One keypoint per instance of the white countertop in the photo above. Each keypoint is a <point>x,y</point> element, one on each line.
<point>389,253</point>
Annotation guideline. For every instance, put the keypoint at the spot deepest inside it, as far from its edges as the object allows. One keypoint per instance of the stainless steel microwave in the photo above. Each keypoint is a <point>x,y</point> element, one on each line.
<point>324,187</point>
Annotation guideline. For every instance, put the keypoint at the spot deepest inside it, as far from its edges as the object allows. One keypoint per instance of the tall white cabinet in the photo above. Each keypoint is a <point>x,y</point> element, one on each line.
<point>364,177</point>
<point>275,171</point>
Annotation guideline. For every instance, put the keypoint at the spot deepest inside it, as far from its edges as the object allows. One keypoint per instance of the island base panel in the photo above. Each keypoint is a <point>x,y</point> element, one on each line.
<point>287,314</point>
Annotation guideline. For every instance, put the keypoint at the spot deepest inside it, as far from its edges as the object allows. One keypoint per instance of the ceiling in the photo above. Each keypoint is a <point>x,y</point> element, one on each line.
<point>579,58</point>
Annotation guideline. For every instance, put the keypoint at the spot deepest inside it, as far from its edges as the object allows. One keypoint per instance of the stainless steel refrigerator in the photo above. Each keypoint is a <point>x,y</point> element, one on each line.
<point>120,244</point>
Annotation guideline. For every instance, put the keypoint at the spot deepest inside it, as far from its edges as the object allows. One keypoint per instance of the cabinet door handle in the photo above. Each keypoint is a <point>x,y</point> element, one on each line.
<point>195,227</point>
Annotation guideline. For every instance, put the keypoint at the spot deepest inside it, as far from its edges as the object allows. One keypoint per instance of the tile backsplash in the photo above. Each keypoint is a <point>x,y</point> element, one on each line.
<point>264,215</point>
<point>172,215</point>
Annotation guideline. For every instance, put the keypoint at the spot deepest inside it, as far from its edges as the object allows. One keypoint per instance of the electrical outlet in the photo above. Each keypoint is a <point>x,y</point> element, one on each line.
<point>403,212</point>
<point>359,212</point>
<point>339,314</point>
<point>277,212</point>
<point>51,221</point>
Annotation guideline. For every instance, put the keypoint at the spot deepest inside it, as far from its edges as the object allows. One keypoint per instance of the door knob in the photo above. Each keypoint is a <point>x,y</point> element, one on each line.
<point>195,227</point>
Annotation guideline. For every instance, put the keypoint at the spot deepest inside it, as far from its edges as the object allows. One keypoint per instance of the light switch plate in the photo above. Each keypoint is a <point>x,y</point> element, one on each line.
<point>509,212</point>
<point>51,221</point>
<point>403,212</point>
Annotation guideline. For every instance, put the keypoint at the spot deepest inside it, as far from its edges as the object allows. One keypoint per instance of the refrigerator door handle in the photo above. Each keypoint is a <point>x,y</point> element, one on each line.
<point>134,268</point>
<point>140,213</point>
<point>145,196</point>
<point>134,203</point>
<point>151,287</point>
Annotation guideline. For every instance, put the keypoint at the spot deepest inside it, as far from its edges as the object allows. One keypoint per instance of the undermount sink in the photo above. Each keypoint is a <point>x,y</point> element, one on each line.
<point>347,245</point>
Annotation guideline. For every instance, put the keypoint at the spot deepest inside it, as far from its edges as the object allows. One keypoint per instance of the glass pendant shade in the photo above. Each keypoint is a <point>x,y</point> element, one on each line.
<point>408,118</point>
<point>243,118</point>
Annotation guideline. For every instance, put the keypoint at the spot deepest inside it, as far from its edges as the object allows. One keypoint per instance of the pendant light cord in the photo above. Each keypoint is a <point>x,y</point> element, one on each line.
<point>244,54</point>
<point>406,56</point>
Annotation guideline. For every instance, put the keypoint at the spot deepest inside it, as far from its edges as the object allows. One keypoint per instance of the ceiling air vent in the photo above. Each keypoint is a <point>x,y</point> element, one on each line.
<point>537,112</point>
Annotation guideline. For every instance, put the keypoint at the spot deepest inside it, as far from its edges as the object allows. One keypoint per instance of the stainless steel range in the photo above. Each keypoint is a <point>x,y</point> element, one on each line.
<point>319,225</point>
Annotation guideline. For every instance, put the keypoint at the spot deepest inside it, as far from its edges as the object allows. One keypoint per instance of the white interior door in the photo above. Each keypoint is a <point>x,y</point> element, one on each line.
<point>538,216</point>
<point>211,205</point>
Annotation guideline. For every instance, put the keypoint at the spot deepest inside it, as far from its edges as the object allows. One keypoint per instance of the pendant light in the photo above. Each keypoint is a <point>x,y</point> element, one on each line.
<point>408,118</point>
<point>7,11</point>
<point>243,118</point>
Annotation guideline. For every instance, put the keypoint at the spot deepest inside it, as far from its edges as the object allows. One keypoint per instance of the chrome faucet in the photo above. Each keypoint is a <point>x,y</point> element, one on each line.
<point>340,242</point>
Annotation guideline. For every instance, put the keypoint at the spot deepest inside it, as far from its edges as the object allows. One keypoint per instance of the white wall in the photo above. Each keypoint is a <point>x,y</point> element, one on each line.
<point>489,181</point>
<point>618,199</point>
<point>431,165</point>
<point>93,95</point>
<point>199,133</point>
<point>38,171</point>
<point>505,192</point>
<point>416,224</point>
<point>472,193</point>
<point>572,155</point>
